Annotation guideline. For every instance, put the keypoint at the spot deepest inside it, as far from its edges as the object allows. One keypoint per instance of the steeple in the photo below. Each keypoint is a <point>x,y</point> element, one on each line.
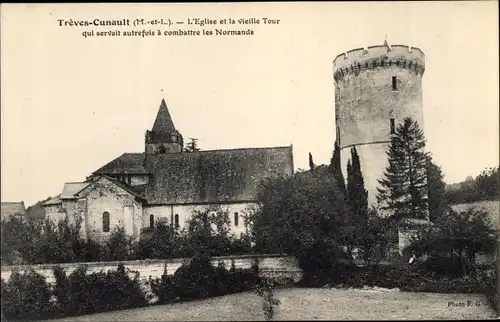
<point>163,137</point>
<point>163,122</point>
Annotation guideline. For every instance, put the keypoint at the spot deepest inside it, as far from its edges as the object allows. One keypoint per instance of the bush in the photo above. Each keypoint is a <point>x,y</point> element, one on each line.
<point>26,296</point>
<point>84,293</point>
<point>200,279</point>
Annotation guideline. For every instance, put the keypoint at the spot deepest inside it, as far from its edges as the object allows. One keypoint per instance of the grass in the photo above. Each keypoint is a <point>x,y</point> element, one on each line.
<point>312,304</point>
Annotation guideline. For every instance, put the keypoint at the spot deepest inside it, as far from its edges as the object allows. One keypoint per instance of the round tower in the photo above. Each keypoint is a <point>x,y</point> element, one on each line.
<point>375,89</point>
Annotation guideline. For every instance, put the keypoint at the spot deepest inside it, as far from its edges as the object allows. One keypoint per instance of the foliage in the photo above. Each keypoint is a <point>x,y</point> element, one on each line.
<point>403,189</point>
<point>192,145</point>
<point>457,238</point>
<point>26,296</point>
<point>336,168</point>
<point>295,213</point>
<point>120,246</point>
<point>165,243</point>
<point>357,204</point>
<point>265,290</point>
<point>436,190</point>
<point>311,162</point>
<point>200,279</point>
<point>84,293</point>
<point>208,231</point>
<point>484,187</point>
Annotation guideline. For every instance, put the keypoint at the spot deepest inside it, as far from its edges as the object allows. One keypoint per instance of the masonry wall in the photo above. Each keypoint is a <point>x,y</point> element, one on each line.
<point>273,266</point>
<point>125,212</point>
<point>168,213</point>
<point>492,208</point>
<point>365,102</point>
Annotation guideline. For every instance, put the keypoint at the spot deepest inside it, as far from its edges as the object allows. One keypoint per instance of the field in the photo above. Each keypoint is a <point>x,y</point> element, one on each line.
<point>313,304</point>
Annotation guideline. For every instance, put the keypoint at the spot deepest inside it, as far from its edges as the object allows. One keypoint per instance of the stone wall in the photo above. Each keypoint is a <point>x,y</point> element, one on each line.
<point>365,103</point>
<point>492,208</point>
<point>269,265</point>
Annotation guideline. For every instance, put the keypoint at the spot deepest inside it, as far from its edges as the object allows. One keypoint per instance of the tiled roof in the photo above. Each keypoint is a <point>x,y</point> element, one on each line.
<point>12,208</point>
<point>163,122</point>
<point>71,188</point>
<point>53,201</point>
<point>214,176</point>
<point>204,176</point>
<point>126,163</point>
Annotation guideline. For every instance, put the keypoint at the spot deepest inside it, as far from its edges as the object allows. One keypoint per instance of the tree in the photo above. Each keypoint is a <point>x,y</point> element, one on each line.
<point>192,145</point>
<point>298,213</point>
<point>436,189</point>
<point>208,231</point>
<point>311,162</point>
<point>166,242</point>
<point>357,201</point>
<point>457,238</point>
<point>336,169</point>
<point>403,190</point>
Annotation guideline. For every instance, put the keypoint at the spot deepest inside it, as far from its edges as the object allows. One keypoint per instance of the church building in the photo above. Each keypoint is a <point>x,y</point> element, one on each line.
<point>167,183</point>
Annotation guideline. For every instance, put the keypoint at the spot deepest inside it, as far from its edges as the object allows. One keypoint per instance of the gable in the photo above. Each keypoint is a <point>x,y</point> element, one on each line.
<point>108,185</point>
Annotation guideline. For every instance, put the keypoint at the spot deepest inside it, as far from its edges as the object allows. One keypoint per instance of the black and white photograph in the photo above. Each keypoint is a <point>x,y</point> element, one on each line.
<point>250,161</point>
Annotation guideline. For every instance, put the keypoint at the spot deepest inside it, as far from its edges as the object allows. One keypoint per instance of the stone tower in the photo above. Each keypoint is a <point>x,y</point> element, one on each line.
<point>375,89</point>
<point>163,137</point>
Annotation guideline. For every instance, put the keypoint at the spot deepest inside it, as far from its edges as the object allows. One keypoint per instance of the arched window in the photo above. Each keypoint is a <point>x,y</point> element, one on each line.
<point>162,149</point>
<point>151,221</point>
<point>176,218</point>
<point>105,222</point>
<point>236,219</point>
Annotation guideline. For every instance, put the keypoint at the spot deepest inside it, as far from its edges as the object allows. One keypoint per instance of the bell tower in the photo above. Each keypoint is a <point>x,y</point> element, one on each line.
<point>163,137</point>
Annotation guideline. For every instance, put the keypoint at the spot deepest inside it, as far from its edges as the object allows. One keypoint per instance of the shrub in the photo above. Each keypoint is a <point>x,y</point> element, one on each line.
<point>200,279</point>
<point>86,293</point>
<point>26,296</point>
<point>265,290</point>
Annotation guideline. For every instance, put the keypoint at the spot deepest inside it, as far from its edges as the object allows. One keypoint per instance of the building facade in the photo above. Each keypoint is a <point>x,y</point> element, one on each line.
<point>166,183</point>
<point>375,89</point>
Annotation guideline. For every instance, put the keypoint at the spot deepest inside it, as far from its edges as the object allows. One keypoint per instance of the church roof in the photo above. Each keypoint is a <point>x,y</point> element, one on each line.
<point>53,201</point>
<point>206,176</point>
<point>71,188</point>
<point>126,163</point>
<point>163,122</point>
<point>12,208</point>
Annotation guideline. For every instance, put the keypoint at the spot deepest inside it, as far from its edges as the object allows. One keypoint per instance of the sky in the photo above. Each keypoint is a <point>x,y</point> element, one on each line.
<point>71,104</point>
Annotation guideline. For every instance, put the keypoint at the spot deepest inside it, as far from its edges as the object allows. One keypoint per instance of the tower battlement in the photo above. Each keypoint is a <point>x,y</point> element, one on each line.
<point>360,59</point>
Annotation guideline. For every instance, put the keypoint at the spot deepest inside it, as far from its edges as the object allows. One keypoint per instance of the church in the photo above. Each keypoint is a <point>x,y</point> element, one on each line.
<point>168,183</point>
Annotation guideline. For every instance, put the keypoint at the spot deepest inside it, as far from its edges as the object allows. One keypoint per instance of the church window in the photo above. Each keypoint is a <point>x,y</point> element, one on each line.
<point>394,83</point>
<point>129,180</point>
<point>393,127</point>
<point>105,222</point>
<point>338,135</point>
<point>176,218</point>
<point>236,219</point>
<point>162,149</point>
<point>151,221</point>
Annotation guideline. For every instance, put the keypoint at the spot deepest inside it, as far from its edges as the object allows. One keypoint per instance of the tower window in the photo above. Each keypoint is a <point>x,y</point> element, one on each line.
<point>394,83</point>
<point>105,222</point>
<point>176,218</point>
<point>162,149</point>
<point>151,221</point>
<point>338,135</point>
<point>393,127</point>
<point>236,219</point>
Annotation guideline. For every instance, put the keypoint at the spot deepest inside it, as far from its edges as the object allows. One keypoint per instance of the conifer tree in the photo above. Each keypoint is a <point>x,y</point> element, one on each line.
<point>311,162</point>
<point>357,198</point>
<point>403,190</point>
<point>436,190</point>
<point>336,168</point>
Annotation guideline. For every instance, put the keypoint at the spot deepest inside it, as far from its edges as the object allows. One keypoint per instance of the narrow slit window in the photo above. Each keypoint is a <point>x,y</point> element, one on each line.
<point>105,222</point>
<point>394,83</point>
<point>176,221</point>
<point>151,221</point>
<point>393,127</point>
<point>236,219</point>
<point>338,135</point>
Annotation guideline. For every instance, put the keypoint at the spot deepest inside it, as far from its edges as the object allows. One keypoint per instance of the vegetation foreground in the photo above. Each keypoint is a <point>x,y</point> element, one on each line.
<point>311,304</point>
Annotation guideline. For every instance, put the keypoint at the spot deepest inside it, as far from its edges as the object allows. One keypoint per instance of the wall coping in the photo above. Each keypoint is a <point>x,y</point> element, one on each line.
<point>136,262</point>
